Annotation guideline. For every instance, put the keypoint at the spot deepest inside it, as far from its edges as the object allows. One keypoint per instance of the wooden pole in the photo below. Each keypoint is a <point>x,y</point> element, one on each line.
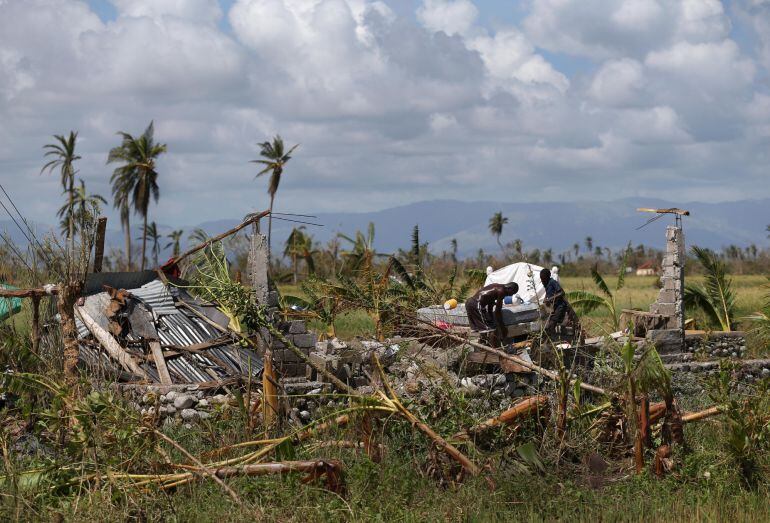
<point>110,344</point>
<point>160,363</point>
<point>28,293</point>
<point>35,324</point>
<point>254,219</point>
<point>101,229</point>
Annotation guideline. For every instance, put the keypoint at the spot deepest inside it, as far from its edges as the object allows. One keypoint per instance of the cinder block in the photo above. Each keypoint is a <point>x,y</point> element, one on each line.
<point>306,340</point>
<point>668,296</point>
<point>297,327</point>
<point>666,309</point>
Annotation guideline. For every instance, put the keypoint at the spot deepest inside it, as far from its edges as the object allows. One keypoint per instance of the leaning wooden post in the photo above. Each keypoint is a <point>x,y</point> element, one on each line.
<point>35,335</point>
<point>101,229</point>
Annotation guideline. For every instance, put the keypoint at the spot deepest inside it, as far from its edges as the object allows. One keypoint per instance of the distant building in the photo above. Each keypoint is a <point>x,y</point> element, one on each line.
<point>648,268</point>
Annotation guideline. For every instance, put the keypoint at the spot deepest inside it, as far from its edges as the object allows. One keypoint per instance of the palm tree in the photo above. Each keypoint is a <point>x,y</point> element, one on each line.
<point>518,247</point>
<point>151,232</point>
<point>198,236</point>
<point>137,175</point>
<point>589,244</point>
<point>64,158</point>
<point>274,158</point>
<point>576,248</point>
<point>496,223</point>
<point>176,238</point>
<point>715,297</point>
<point>82,208</point>
<point>767,230</point>
<point>361,254</point>
<point>294,246</point>
<point>121,195</point>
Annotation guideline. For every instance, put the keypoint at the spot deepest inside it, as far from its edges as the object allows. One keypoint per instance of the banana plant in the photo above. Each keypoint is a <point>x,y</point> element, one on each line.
<point>585,301</point>
<point>715,297</point>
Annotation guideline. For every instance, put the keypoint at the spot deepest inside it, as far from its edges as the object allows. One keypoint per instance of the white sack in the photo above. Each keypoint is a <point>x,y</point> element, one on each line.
<point>526,275</point>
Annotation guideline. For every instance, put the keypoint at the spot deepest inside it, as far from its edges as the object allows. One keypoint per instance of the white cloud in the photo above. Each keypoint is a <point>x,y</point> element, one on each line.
<point>451,16</point>
<point>602,29</point>
<point>198,10</point>
<point>619,83</point>
<point>387,106</point>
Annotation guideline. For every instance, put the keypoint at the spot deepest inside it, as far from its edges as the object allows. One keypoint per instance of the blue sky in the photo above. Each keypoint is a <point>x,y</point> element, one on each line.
<point>393,101</point>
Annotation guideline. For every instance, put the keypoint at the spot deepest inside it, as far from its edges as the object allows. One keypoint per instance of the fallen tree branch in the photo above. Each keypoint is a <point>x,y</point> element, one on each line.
<point>440,442</point>
<point>703,414</point>
<point>202,467</point>
<point>110,344</point>
<point>521,409</point>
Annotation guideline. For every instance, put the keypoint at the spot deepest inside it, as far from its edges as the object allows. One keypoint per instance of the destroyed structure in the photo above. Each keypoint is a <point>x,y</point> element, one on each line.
<point>177,355</point>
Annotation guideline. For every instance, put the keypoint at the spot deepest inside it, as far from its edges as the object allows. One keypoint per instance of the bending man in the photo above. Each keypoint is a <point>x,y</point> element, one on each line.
<point>485,308</point>
<point>554,298</point>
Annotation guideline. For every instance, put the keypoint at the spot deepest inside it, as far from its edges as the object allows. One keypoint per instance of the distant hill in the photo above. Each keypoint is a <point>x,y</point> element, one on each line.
<point>537,225</point>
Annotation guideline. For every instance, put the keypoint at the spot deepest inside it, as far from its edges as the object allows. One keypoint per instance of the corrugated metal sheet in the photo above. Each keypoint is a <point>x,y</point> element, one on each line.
<point>179,328</point>
<point>157,296</point>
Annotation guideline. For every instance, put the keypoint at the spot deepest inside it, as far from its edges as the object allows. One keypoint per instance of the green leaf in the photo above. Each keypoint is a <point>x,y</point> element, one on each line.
<point>531,457</point>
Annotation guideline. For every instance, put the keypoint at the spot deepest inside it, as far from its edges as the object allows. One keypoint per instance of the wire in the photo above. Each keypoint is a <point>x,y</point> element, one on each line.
<point>298,221</point>
<point>290,214</point>
<point>42,250</point>
<point>645,224</point>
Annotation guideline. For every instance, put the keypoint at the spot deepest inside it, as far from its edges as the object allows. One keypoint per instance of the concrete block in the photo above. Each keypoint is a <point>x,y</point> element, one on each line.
<point>669,296</point>
<point>666,340</point>
<point>306,340</point>
<point>665,309</point>
<point>272,299</point>
<point>297,327</point>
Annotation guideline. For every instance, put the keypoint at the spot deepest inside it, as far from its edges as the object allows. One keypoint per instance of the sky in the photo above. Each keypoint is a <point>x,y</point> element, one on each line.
<point>391,101</point>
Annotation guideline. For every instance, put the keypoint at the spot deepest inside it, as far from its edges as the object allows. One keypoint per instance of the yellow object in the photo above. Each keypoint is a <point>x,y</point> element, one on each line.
<point>450,304</point>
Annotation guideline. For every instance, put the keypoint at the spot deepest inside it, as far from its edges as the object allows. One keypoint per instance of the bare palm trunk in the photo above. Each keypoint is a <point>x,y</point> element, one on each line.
<point>128,243</point>
<point>270,226</point>
<point>71,231</point>
<point>144,240</point>
<point>294,264</point>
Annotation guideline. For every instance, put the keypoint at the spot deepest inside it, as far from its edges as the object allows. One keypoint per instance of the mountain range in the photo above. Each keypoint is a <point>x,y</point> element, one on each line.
<point>540,225</point>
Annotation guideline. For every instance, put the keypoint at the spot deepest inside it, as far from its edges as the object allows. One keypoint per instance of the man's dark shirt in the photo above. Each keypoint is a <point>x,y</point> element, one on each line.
<point>553,289</point>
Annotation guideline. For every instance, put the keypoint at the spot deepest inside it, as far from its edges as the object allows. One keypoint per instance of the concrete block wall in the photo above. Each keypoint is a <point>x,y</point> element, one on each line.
<point>670,302</point>
<point>286,362</point>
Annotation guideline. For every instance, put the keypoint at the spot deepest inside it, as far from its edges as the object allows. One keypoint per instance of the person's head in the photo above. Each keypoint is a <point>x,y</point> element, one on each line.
<point>545,276</point>
<point>511,288</point>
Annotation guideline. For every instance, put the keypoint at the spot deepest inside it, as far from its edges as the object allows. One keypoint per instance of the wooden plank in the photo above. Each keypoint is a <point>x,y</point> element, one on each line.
<point>110,344</point>
<point>101,229</point>
<point>160,363</point>
<point>218,237</point>
<point>673,210</point>
<point>27,293</point>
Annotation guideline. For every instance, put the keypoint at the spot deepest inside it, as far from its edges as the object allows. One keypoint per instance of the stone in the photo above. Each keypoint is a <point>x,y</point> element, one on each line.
<point>184,401</point>
<point>665,340</point>
<point>297,327</point>
<point>190,414</point>
<point>204,415</point>
<point>305,341</point>
<point>171,396</point>
<point>203,403</point>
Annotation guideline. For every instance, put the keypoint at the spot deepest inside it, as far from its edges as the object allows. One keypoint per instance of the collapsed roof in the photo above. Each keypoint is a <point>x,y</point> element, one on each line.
<point>138,308</point>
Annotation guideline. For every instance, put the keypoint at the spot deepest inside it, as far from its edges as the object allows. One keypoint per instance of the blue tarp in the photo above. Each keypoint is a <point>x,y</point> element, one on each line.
<point>9,306</point>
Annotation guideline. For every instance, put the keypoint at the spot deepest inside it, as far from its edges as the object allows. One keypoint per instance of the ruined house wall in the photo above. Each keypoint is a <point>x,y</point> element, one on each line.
<point>670,302</point>
<point>285,361</point>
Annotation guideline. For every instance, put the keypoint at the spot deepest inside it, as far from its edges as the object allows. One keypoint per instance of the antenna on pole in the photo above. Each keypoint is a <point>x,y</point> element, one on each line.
<point>659,213</point>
